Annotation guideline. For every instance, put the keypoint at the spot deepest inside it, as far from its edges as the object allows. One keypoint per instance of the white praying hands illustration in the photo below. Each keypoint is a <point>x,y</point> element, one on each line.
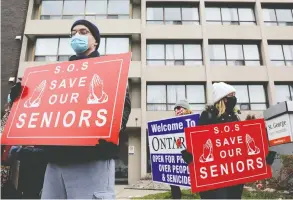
<point>35,100</point>
<point>207,155</point>
<point>97,94</point>
<point>252,149</point>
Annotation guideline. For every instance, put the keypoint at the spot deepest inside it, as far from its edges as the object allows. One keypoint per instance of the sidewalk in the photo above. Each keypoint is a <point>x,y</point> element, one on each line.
<point>123,193</point>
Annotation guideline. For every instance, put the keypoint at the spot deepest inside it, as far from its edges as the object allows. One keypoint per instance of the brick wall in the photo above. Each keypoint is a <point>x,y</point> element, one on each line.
<point>13,16</point>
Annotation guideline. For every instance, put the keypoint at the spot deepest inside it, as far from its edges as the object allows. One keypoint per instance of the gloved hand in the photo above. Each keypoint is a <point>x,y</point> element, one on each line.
<point>15,91</point>
<point>187,157</point>
<point>29,153</point>
<point>271,157</point>
<point>107,150</point>
<point>250,117</point>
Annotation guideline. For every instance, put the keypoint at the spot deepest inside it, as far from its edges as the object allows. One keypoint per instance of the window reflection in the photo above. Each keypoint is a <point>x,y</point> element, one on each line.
<point>59,49</point>
<point>174,54</point>
<point>172,15</point>
<point>85,9</point>
<point>234,54</point>
<point>281,55</point>
<point>251,97</point>
<point>164,97</point>
<point>230,16</point>
<point>278,17</point>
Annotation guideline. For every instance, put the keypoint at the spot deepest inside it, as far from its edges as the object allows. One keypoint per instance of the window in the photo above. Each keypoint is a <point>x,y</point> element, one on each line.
<point>284,93</point>
<point>251,97</point>
<point>174,54</point>
<point>281,55</point>
<point>173,15</point>
<point>53,49</point>
<point>113,45</point>
<point>88,9</point>
<point>164,97</point>
<point>231,16</point>
<point>278,17</point>
<point>234,54</point>
<point>59,49</point>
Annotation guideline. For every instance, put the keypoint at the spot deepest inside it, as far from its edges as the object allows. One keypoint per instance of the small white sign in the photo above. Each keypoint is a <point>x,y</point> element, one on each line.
<point>279,130</point>
<point>130,149</point>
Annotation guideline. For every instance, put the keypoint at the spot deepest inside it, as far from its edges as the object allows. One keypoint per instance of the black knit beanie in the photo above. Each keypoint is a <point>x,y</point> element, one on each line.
<point>93,29</point>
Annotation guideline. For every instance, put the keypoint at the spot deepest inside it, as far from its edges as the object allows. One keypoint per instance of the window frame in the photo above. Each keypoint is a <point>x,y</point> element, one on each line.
<point>172,5</point>
<point>167,104</point>
<point>249,103</point>
<point>277,22</point>
<point>84,16</point>
<point>58,56</point>
<point>235,60</point>
<point>165,60</point>
<point>284,60</point>
<point>228,22</point>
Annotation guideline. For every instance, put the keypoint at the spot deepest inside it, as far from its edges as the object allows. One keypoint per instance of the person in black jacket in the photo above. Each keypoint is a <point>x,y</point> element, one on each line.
<point>222,111</point>
<point>83,172</point>
<point>31,170</point>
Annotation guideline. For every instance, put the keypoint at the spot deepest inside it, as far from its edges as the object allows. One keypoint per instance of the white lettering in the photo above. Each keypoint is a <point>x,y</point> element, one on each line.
<point>82,81</point>
<point>101,115</point>
<point>33,119</point>
<point>84,66</point>
<point>21,119</point>
<point>46,119</point>
<point>214,170</point>
<point>203,173</point>
<point>259,163</point>
<point>53,99</point>
<point>57,119</point>
<point>242,166</point>
<point>250,164</point>
<point>85,116</point>
<point>65,124</point>
<point>53,85</point>
<point>74,96</point>
<point>190,123</point>
<point>223,154</point>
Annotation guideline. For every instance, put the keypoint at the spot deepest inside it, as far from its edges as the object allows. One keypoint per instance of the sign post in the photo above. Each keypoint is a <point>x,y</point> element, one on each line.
<point>70,103</point>
<point>166,141</point>
<point>227,154</point>
<point>279,122</point>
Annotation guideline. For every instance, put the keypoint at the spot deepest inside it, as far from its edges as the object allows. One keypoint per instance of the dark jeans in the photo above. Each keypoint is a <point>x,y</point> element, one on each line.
<point>233,192</point>
<point>176,192</point>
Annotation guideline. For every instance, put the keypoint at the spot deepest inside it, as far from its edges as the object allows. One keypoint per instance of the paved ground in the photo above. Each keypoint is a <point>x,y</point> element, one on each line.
<point>123,193</point>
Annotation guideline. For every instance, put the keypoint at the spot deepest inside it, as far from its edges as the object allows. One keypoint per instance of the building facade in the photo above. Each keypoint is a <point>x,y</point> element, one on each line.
<point>13,14</point>
<point>179,48</point>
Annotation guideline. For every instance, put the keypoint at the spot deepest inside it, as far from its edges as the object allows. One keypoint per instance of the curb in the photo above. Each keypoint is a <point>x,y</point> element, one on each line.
<point>133,188</point>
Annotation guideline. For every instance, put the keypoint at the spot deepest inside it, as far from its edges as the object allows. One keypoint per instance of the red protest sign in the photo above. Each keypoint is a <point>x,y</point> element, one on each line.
<point>70,103</point>
<point>227,154</point>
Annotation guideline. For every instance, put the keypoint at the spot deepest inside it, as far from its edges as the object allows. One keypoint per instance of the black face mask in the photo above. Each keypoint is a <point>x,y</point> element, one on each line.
<point>231,103</point>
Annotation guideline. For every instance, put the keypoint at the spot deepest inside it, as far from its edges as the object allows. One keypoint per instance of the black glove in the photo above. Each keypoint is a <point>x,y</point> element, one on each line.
<point>107,150</point>
<point>271,157</point>
<point>15,91</point>
<point>187,157</point>
<point>30,153</point>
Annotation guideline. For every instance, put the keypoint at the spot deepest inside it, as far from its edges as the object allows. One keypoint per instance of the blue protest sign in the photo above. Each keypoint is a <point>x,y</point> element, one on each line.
<point>166,141</point>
